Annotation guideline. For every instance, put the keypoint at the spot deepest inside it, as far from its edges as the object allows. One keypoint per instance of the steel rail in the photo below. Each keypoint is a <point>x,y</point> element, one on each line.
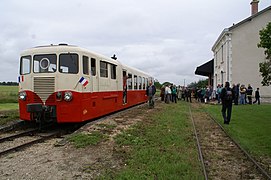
<point>261,169</point>
<point>198,145</point>
<point>9,138</point>
<point>12,126</point>
<point>22,146</point>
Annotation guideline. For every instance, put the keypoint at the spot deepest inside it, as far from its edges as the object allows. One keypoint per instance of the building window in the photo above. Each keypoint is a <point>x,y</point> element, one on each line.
<point>222,54</point>
<point>215,59</point>
<point>222,78</point>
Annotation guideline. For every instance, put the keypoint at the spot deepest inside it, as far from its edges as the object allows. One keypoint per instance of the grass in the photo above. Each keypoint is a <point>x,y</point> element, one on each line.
<point>8,106</point>
<point>7,116</point>
<point>81,140</point>
<point>250,126</point>
<point>8,94</point>
<point>161,147</point>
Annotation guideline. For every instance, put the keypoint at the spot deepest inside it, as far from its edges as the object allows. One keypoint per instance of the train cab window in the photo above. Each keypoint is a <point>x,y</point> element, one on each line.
<point>103,69</point>
<point>25,65</point>
<point>144,83</point>
<point>113,70</point>
<point>85,65</point>
<point>135,81</point>
<point>129,81</point>
<point>93,67</point>
<point>44,63</point>
<point>139,82</point>
<point>68,63</point>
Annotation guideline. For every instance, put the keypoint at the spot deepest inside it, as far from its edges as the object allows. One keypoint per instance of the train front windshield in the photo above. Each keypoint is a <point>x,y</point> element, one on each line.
<point>47,63</point>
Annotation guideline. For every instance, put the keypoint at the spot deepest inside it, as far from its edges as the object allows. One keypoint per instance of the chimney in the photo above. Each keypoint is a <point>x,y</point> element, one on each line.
<point>254,6</point>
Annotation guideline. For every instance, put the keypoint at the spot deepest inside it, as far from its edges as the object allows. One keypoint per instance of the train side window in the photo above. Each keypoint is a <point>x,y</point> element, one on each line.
<point>93,67</point>
<point>85,65</point>
<point>113,70</point>
<point>68,63</point>
<point>103,69</point>
<point>139,82</point>
<point>129,81</point>
<point>144,83</point>
<point>135,81</point>
<point>25,65</point>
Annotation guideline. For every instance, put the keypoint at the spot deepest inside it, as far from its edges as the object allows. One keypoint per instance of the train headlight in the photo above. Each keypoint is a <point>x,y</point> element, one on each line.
<point>68,96</point>
<point>22,95</point>
<point>59,95</point>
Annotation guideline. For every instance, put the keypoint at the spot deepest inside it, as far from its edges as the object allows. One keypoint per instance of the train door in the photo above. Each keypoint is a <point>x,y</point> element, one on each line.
<point>124,85</point>
<point>93,75</point>
<point>85,79</point>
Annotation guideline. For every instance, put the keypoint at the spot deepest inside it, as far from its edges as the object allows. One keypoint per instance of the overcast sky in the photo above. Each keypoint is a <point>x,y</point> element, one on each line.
<point>166,38</point>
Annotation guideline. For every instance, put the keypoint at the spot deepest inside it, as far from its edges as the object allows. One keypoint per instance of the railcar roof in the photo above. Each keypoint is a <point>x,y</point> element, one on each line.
<point>65,48</point>
<point>73,48</point>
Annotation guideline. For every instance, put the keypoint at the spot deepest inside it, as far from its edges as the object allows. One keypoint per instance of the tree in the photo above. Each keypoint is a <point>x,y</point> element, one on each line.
<point>199,84</point>
<point>265,42</point>
<point>157,84</point>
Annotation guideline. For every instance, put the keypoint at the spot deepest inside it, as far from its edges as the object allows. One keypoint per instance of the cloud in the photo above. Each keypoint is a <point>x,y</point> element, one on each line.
<point>167,39</point>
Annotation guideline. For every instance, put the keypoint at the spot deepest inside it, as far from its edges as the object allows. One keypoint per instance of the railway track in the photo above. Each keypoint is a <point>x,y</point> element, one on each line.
<point>17,135</point>
<point>199,146</point>
<point>36,137</point>
<point>219,154</point>
<point>17,124</point>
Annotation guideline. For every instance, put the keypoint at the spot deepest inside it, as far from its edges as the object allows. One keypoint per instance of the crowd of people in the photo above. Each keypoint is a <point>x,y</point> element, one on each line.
<point>243,94</point>
<point>172,93</point>
<point>237,94</point>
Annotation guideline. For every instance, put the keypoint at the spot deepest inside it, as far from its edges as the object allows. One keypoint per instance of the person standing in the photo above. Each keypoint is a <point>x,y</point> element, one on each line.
<point>151,90</point>
<point>227,95</point>
<point>179,93</point>
<point>167,94</point>
<point>162,93</point>
<point>188,95</point>
<point>236,93</point>
<point>218,91</point>
<point>257,97</point>
<point>124,97</point>
<point>174,94</point>
<point>249,93</point>
<point>242,94</point>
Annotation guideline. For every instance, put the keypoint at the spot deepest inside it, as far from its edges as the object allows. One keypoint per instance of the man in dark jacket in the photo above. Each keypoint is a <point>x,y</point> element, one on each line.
<point>249,94</point>
<point>227,95</point>
<point>257,96</point>
<point>236,93</point>
<point>150,91</point>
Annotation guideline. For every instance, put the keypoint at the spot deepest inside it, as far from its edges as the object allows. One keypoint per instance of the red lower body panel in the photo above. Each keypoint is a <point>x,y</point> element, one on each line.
<point>83,106</point>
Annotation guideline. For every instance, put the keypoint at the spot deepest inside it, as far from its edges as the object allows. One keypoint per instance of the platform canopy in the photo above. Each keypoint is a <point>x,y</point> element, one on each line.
<point>206,69</point>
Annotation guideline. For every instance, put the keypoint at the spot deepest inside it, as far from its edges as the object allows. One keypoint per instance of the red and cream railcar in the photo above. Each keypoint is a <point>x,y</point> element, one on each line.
<point>66,83</point>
